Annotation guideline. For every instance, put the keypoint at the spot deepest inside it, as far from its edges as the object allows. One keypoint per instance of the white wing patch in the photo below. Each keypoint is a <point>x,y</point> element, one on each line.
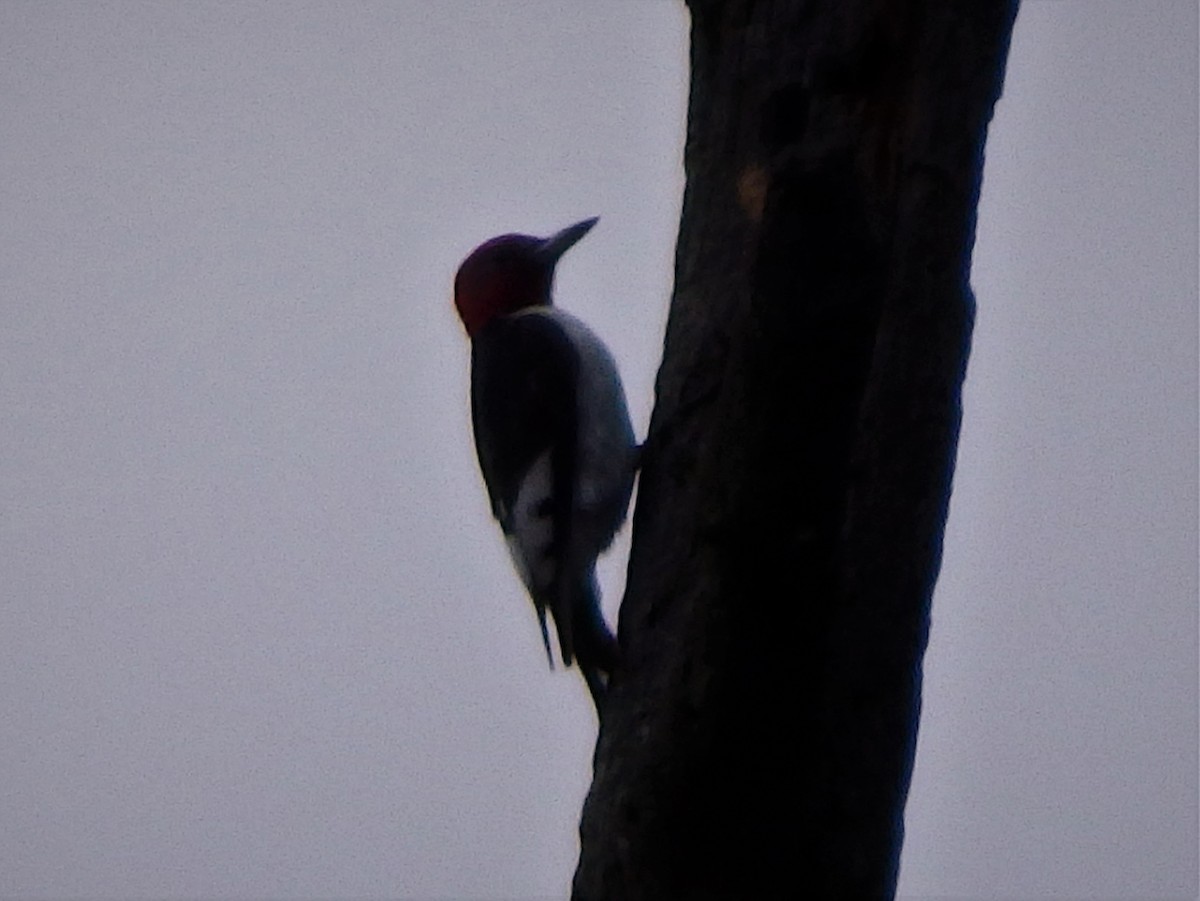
<point>530,532</point>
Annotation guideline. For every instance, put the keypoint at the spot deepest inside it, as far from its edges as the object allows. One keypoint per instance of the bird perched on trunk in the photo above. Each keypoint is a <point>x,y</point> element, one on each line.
<point>553,436</point>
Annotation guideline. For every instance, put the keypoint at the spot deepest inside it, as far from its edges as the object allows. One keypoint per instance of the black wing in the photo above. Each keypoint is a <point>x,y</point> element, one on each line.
<point>524,373</point>
<point>523,392</point>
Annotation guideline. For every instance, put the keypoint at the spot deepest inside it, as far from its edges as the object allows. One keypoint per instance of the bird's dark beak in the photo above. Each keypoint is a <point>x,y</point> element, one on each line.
<point>560,242</point>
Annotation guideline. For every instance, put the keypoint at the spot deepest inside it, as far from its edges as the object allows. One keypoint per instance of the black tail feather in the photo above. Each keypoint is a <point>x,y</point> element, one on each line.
<point>596,649</point>
<point>541,615</point>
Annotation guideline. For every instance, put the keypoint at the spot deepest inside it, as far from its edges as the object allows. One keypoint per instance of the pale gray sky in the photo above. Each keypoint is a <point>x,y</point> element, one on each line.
<point>258,635</point>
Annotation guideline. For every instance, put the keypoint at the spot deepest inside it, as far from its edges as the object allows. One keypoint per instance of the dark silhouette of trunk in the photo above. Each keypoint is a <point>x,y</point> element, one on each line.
<point>758,738</point>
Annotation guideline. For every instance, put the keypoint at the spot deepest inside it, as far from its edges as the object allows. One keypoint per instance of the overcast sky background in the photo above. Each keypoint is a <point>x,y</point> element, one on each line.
<point>258,634</point>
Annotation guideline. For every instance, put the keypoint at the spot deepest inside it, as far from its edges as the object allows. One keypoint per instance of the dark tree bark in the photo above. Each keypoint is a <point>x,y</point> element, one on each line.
<point>758,739</point>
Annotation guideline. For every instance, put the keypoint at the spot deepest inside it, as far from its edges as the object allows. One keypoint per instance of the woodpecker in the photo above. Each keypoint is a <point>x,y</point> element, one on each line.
<point>553,437</point>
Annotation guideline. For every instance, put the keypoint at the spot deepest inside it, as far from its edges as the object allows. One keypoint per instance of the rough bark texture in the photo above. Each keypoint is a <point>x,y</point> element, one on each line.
<point>758,739</point>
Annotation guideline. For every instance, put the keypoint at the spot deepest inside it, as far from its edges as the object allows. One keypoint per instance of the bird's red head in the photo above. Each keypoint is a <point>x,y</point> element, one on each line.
<point>510,273</point>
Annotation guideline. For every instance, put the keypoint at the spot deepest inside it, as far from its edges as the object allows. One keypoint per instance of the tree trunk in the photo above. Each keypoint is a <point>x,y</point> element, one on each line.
<point>758,739</point>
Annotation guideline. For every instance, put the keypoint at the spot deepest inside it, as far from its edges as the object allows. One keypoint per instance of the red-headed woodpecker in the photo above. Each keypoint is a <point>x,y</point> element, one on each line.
<point>553,436</point>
